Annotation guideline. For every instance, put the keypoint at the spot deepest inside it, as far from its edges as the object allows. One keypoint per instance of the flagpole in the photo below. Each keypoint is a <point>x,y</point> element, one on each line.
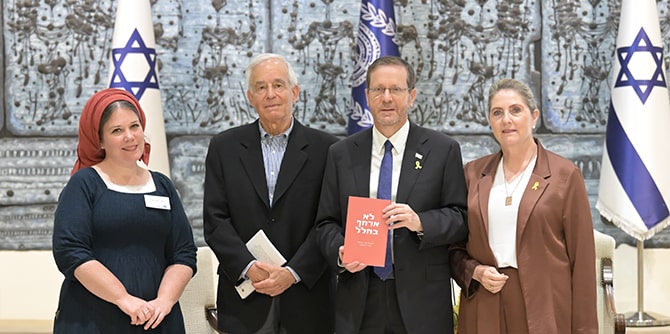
<point>642,318</point>
<point>634,189</point>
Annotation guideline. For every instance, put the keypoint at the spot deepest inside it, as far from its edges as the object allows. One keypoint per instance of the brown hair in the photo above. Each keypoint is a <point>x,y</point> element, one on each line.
<point>392,60</point>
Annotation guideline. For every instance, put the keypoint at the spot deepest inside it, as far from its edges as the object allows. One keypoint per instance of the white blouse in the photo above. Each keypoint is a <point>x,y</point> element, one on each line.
<point>503,217</point>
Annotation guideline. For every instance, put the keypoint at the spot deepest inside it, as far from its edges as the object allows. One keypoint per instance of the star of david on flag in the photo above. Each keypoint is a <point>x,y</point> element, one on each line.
<point>634,182</point>
<point>376,38</point>
<point>145,77</point>
<point>133,68</point>
<point>640,47</point>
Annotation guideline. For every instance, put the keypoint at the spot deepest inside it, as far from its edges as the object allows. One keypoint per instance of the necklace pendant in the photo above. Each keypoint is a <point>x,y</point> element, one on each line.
<point>508,200</point>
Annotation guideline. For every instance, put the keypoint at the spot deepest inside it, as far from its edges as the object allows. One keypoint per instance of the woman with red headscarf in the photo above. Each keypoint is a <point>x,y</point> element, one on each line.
<point>121,236</point>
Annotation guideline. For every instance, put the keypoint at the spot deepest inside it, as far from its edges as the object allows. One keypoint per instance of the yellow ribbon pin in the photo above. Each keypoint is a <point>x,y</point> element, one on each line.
<point>535,185</point>
<point>417,165</point>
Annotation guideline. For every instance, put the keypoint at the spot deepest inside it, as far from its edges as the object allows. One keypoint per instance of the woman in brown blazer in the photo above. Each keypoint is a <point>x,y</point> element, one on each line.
<point>528,263</point>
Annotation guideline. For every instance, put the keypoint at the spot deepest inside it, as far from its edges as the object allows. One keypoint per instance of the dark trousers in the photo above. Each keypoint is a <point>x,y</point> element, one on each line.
<point>382,314</point>
<point>272,325</point>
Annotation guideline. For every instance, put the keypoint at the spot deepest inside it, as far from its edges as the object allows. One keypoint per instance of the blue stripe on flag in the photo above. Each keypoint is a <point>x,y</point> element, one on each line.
<point>633,174</point>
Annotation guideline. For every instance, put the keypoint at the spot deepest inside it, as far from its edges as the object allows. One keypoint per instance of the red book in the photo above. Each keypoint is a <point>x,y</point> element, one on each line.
<point>366,234</point>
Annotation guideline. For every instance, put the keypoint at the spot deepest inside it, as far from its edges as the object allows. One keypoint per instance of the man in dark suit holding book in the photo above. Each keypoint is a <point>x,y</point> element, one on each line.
<point>425,181</point>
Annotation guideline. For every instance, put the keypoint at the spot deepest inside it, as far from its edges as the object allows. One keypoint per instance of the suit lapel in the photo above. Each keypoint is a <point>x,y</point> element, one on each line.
<point>416,151</point>
<point>293,160</point>
<point>361,158</point>
<point>537,184</point>
<point>484,191</point>
<point>252,161</point>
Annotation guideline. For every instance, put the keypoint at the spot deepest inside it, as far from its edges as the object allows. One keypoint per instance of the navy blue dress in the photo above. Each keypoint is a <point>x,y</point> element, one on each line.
<point>135,242</point>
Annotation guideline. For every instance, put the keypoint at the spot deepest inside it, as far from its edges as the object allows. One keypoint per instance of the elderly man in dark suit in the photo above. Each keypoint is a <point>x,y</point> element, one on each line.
<point>427,213</point>
<point>267,175</point>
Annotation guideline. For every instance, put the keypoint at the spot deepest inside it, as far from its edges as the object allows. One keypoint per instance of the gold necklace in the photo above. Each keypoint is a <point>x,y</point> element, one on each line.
<point>508,195</point>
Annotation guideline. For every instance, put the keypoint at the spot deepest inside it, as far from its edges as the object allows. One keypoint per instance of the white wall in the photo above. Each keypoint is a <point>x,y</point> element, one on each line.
<point>30,282</point>
<point>29,285</point>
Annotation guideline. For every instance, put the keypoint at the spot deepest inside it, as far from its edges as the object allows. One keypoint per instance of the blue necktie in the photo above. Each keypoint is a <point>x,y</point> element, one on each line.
<point>384,192</point>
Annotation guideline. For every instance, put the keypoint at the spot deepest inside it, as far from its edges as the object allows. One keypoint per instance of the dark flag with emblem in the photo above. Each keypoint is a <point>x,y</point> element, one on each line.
<point>376,38</point>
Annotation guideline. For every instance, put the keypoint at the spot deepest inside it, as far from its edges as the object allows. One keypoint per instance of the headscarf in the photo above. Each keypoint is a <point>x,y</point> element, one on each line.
<point>89,151</point>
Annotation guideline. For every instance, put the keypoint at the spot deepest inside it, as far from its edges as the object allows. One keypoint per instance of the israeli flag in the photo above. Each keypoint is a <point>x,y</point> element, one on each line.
<point>133,68</point>
<point>376,38</point>
<point>634,180</point>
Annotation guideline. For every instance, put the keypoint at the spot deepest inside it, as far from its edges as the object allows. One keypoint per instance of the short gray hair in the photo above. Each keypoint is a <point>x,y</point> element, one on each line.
<point>292,78</point>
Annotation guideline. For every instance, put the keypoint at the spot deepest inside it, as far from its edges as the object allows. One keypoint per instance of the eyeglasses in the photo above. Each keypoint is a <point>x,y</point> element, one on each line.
<point>376,92</point>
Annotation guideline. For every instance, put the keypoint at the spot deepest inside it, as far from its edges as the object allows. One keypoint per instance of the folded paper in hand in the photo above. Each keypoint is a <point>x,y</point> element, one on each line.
<point>263,250</point>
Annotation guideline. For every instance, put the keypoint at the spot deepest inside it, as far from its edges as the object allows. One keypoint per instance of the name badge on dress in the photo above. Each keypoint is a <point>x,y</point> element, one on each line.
<point>157,202</point>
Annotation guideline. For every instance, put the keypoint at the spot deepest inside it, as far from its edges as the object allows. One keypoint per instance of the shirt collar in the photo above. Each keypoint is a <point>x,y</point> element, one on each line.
<point>285,134</point>
<point>398,139</point>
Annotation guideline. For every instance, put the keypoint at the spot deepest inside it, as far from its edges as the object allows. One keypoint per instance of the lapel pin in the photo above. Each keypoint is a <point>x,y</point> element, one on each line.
<point>417,163</point>
<point>535,185</point>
